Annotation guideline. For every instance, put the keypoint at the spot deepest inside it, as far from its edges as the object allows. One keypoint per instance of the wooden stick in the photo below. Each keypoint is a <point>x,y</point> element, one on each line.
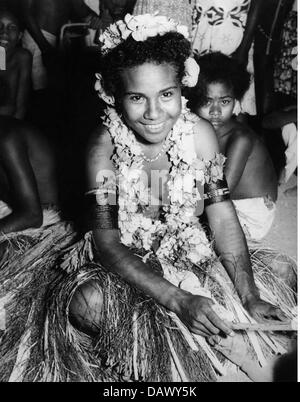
<point>262,326</point>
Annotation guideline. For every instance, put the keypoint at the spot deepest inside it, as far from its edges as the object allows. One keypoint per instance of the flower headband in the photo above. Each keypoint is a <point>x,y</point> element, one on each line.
<point>140,28</point>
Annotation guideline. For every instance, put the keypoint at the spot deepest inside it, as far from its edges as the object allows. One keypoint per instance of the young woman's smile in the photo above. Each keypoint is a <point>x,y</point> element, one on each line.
<point>151,103</point>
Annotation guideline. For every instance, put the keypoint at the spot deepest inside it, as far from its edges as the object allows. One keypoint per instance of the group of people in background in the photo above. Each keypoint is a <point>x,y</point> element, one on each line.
<point>52,143</point>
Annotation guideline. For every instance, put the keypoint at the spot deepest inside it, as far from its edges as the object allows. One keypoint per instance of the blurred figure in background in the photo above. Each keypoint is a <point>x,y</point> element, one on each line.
<point>267,44</point>
<point>179,10</point>
<point>16,63</point>
<point>44,20</point>
<point>28,185</point>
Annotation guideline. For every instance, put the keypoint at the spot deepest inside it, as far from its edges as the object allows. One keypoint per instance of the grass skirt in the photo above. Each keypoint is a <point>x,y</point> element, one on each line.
<point>138,339</point>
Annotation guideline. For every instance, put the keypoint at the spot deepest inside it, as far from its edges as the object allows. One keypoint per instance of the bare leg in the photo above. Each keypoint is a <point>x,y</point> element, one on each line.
<point>85,309</point>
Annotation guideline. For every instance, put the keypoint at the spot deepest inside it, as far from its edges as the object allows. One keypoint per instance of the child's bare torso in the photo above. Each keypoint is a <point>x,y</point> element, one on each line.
<point>258,178</point>
<point>10,76</point>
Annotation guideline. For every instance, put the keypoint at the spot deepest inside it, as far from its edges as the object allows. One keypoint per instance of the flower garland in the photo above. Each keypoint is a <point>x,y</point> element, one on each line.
<point>179,236</point>
<point>140,28</point>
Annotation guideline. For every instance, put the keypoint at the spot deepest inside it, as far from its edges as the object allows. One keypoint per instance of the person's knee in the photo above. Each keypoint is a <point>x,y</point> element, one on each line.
<point>85,309</point>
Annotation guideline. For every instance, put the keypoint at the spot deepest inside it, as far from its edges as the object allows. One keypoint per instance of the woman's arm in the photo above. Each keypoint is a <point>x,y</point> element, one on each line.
<point>111,252</point>
<point>230,243</point>
<point>24,197</point>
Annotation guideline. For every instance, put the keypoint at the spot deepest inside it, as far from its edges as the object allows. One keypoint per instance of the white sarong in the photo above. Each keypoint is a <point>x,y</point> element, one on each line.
<point>256,216</point>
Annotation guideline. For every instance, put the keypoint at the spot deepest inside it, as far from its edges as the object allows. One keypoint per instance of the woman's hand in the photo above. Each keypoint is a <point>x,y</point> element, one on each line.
<point>197,313</point>
<point>262,311</point>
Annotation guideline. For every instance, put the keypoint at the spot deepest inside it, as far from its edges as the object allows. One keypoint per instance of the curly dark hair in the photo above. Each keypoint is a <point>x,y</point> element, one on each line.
<point>217,67</point>
<point>171,48</point>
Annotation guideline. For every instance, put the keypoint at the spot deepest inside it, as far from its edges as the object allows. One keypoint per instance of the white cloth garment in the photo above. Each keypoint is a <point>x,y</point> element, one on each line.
<point>256,216</point>
<point>289,136</point>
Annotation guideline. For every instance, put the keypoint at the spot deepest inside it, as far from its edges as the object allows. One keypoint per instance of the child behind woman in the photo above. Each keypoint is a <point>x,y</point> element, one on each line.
<point>249,170</point>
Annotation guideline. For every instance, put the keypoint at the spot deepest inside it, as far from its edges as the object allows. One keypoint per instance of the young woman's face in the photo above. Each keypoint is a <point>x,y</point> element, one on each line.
<point>9,31</point>
<point>151,103</point>
<point>219,105</point>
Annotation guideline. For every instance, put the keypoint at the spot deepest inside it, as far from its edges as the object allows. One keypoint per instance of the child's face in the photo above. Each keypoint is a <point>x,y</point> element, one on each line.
<point>9,31</point>
<point>151,103</point>
<point>219,105</point>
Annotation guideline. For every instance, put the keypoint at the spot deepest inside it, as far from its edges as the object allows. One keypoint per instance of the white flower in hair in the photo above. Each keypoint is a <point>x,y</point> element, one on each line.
<point>192,71</point>
<point>140,28</point>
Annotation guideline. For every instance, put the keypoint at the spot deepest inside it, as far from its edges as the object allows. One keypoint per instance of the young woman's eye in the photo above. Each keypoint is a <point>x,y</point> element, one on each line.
<point>207,103</point>
<point>136,98</point>
<point>167,94</point>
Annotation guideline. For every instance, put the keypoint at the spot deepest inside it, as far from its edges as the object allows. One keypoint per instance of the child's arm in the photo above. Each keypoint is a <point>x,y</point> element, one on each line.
<point>24,84</point>
<point>238,150</point>
<point>25,202</point>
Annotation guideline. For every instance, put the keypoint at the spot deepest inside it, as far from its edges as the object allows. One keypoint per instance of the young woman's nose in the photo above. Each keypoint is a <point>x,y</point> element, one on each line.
<point>153,110</point>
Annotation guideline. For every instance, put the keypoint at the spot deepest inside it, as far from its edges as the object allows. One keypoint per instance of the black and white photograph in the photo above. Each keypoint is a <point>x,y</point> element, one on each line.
<point>148,194</point>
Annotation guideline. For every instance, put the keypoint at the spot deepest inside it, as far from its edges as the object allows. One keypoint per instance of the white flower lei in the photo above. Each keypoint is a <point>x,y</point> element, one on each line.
<point>180,236</point>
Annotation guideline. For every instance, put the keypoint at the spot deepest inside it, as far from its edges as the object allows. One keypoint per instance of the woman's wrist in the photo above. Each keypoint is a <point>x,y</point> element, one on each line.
<point>176,299</point>
<point>249,296</point>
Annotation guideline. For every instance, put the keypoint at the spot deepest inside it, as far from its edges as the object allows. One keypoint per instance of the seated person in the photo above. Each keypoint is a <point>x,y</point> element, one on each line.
<point>17,63</point>
<point>249,170</point>
<point>132,281</point>
<point>27,177</point>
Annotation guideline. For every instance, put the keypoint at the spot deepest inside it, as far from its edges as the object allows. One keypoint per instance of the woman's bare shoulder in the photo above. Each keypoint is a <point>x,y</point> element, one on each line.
<point>100,143</point>
<point>206,143</point>
<point>99,155</point>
